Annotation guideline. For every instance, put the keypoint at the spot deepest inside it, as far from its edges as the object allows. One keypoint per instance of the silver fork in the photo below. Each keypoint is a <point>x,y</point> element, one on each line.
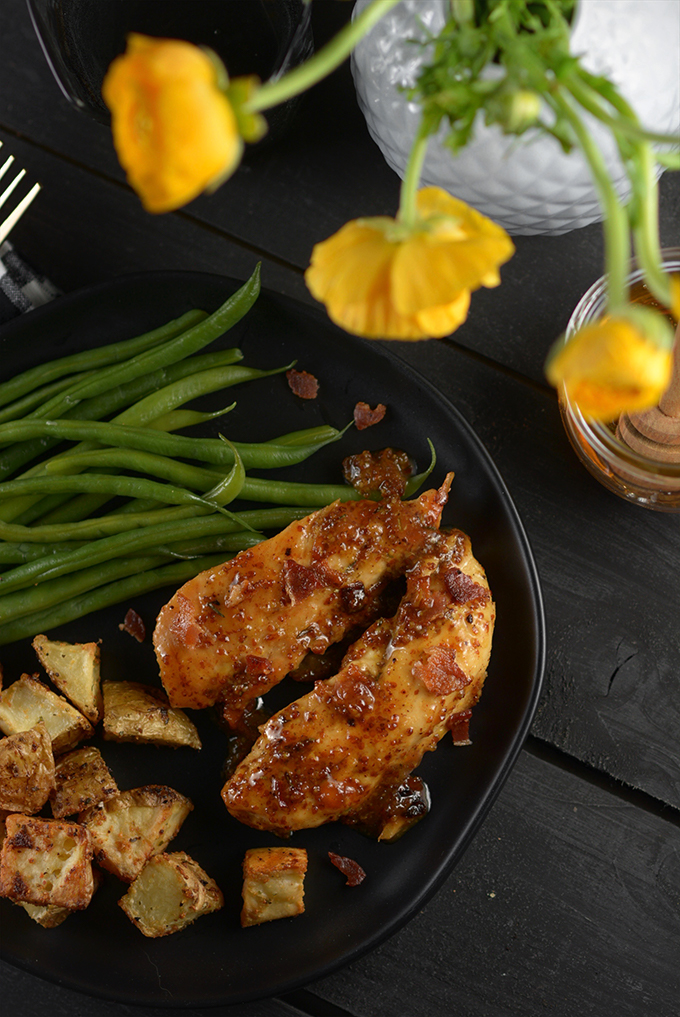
<point>10,220</point>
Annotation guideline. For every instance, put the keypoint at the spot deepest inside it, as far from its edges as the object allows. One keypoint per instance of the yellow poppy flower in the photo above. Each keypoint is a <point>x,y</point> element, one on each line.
<point>174,129</point>
<point>383,279</point>
<point>613,366</point>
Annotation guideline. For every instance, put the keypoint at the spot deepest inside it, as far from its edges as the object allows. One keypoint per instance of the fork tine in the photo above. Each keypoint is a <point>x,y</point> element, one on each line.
<point>13,218</point>
<point>6,164</point>
<point>8,190</point>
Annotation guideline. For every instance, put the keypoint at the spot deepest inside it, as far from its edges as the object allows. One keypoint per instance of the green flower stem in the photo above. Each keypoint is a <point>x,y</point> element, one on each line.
<point>646,228</point>
<point>319,66</point>
<point>616,227</point>
<point>409,185</point>
<point>642,172</point>
<point>626,123</point>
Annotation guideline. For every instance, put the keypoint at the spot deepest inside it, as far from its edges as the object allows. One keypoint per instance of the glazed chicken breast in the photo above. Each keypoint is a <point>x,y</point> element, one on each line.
<point>231,633</point>
<point>400,688</point>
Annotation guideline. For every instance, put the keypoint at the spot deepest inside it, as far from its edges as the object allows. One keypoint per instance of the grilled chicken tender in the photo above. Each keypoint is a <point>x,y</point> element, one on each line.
<point>400,688</point>
<point>235,631</point>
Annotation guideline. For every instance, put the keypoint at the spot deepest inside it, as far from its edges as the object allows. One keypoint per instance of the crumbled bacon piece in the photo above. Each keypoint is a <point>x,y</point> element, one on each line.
<point>355,874</point>
<point>459,726</point>
<point>385,471</point>
<point>365,417</point>
<point>134,625</point>
<point>463,589</point>
<point>439,672</point>
<point>302,383</point>
<point>299,581</point>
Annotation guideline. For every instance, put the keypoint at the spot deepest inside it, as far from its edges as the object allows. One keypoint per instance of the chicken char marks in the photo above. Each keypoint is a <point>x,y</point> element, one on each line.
<point>232,633</point>
<point>401,686</point>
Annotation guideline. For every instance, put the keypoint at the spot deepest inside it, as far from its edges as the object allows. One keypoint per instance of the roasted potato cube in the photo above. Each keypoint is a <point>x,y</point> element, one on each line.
<point>52,915</point>
<point>142,713</point>
<point>47,915</point>
<point>273,884</point>
<point>82,779</point>
<point>26,702</point>
<point>46,861</point>
<point>74,669</point>
<point>26,770</point>
<point>170,892</point>
<point>127,830</point>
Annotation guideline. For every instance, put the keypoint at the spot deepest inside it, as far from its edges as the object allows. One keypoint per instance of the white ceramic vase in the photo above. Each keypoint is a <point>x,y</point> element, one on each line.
<point>528,184</point>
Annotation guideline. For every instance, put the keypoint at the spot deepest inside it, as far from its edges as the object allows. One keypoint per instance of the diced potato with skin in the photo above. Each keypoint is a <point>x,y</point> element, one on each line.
<point>52,915</point>
<point>26,770</point>
<point>273,884</point>
<point>46,861</point>
<point>127,830</point>
<point>47,915</point>
<point>74,669</point>
<point>171,891</point>
<point>27,702</point>
<point>82,780</point>
<point>141,713</point>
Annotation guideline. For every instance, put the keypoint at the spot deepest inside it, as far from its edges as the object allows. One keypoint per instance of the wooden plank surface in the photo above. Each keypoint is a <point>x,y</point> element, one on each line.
<point>570,907</point>
<point>568,901</point>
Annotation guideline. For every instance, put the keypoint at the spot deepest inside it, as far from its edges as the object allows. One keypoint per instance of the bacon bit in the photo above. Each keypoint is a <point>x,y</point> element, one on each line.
<point>134,625</point>
<point>462,589</point>
<point>355,874</point>
<point>365,417</point>
<point>302,384</point>
<point>439,672</point>
<point>256,666</point>
<point>385,471</point>
<point>353,597</point>
<point>299,581</point>
<point>459,726</point>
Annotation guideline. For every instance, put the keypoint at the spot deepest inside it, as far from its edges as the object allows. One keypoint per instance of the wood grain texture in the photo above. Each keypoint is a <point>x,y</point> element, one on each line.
<point>567,902</point>
<point>323,172</point>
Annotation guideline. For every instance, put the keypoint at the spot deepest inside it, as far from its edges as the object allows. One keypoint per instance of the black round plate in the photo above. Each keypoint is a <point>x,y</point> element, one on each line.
<point>214,961</point>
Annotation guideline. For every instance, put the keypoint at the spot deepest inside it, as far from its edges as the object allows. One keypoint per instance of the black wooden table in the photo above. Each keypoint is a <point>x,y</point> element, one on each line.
<point>567,902</point>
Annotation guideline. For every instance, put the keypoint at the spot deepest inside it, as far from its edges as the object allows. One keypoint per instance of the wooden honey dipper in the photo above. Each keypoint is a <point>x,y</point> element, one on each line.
<point>655,433</point>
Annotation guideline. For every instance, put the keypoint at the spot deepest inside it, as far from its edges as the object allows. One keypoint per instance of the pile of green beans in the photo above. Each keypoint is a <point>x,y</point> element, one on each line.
<point>100,501</point>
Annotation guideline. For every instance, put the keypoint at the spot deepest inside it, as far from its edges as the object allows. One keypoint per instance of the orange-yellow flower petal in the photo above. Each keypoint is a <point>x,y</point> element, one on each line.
<point>384,280</point>
<point>454,248</point>
<point>174,130</point>
<point>611,367</point>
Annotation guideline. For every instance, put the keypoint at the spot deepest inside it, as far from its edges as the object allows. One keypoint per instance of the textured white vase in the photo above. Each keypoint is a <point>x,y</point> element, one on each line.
<point>528,184</point>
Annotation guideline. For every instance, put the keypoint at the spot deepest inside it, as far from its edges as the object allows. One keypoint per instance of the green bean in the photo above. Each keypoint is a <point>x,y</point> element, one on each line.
<point>111,394</point>
<point>117,399</point>
<point>63,561</point>
<point>177,420</point>
<point>99,526</point>
<point>295,493</point>
<point>98,357</point>
<point>190,341</point>
<point>105,596</point>
<point>191,387</point>
<point>255,455</point>
<point>23,602</point>
<point>16,553</point>
<point>106,483</point>
<point>20,407</point>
